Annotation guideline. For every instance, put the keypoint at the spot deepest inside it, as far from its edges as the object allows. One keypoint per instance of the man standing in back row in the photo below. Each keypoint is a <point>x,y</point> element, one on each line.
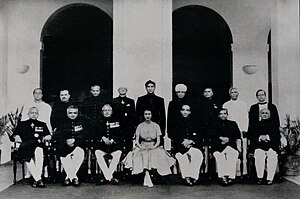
<point>154,103</point>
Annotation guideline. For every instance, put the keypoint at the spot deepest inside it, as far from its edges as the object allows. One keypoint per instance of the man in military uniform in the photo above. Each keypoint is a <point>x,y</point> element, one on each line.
<point>154,103</point>
<point>108,141</point>
<point>124,112</point>
<point>44,116</point>
<point>32,134</point>
<point>70,141</point>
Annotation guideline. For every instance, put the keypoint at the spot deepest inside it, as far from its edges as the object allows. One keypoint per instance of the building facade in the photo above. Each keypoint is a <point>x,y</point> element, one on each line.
<point>141,46</point>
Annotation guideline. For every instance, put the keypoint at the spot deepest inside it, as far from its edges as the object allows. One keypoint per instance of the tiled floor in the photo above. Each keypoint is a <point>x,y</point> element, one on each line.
<point>282,191</point>
<point>294,179</point>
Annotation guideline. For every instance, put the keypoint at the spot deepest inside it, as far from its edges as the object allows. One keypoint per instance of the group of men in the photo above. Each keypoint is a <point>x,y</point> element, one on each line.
<point>107,126</point>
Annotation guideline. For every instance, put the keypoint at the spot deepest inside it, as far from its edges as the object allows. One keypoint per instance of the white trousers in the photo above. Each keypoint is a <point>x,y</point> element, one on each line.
<point>226,162</point>
<point>35,165</point>
<point>72,162</point>
<point>265,158</point>
<point>190,163</point>
<point>108,170</point>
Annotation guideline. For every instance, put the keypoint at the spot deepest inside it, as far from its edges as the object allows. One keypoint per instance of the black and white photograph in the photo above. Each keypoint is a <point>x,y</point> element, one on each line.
<point>149,99</point>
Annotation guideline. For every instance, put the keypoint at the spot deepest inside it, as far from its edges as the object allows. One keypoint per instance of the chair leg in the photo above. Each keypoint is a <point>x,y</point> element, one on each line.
<point>15,170</point>
<point>23,170</point>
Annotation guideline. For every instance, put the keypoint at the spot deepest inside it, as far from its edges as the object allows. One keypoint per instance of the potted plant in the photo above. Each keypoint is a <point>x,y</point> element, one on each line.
<point>290,145</point>
<point>9,122</point>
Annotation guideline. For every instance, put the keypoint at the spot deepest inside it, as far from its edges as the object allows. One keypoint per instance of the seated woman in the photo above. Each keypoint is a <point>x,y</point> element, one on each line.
<point>147,154</point>
<point>265,143</point>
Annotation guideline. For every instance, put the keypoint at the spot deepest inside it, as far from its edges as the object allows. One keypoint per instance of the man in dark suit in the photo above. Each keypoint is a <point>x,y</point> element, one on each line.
<point>187,141</point>
<point>224,147</point>
<point>265,144</point>
<point>124,112</point>
<point>32,134</point>
<point>91,108</point>
<point>254,113</point>
<point>175,106</point>
<point>153,103</point>
<point>59,109</point>
<point>208,111</point>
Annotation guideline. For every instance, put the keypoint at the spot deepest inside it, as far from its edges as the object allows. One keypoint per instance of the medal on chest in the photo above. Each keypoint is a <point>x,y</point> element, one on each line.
<point>78,128</point>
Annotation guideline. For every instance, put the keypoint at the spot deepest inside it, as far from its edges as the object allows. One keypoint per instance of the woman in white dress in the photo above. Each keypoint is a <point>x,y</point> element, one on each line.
<point>148,154</point>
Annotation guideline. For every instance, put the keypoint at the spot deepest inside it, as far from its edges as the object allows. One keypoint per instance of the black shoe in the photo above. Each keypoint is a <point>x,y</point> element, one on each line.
<point>230,181</point>
<point>259,181</point>
<point>47,179</point>
<point>38,184</point>
<point>114,181</point>
<point>100,180</point>
<point>188,181</point>
<point>269,182</point>
<point>75,182</point>
<point>223,181</point>
<point>67,182</point>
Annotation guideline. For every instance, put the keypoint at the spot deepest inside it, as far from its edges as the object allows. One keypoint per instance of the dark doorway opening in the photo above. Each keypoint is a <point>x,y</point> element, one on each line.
<point>202,55</point>
<point>76,51</point>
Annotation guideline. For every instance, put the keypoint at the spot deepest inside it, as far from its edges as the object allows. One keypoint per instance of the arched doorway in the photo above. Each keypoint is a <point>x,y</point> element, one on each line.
<point>76,51</point>
<point>202,55</point>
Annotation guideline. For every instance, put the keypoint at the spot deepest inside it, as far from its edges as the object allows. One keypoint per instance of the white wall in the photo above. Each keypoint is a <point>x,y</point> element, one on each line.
<point>286,59</point>
<point>3,59</point>
<point>143,46</point>
<point>249,22</point>
<point>26,20</point>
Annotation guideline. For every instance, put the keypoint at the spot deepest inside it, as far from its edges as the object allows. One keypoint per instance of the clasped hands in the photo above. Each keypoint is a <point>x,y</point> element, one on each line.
<point>264,138</point>
<point>224,140</point>
<point>187,143</point>
<point>107,141</point>
<point>19,140</point>
<point>70,142</point>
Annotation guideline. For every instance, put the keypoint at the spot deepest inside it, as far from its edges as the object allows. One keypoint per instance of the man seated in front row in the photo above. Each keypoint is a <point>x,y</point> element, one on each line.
<point>225,148</point>
<point>32,134</point>
<point>70,141</point>
<point>187,141</point>
<point>108,143</point>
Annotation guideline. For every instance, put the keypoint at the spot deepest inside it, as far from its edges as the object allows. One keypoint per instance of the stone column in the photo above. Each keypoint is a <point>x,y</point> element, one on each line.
<point>142,46</point>
<point>285,57</point>
<point>3,59</point>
